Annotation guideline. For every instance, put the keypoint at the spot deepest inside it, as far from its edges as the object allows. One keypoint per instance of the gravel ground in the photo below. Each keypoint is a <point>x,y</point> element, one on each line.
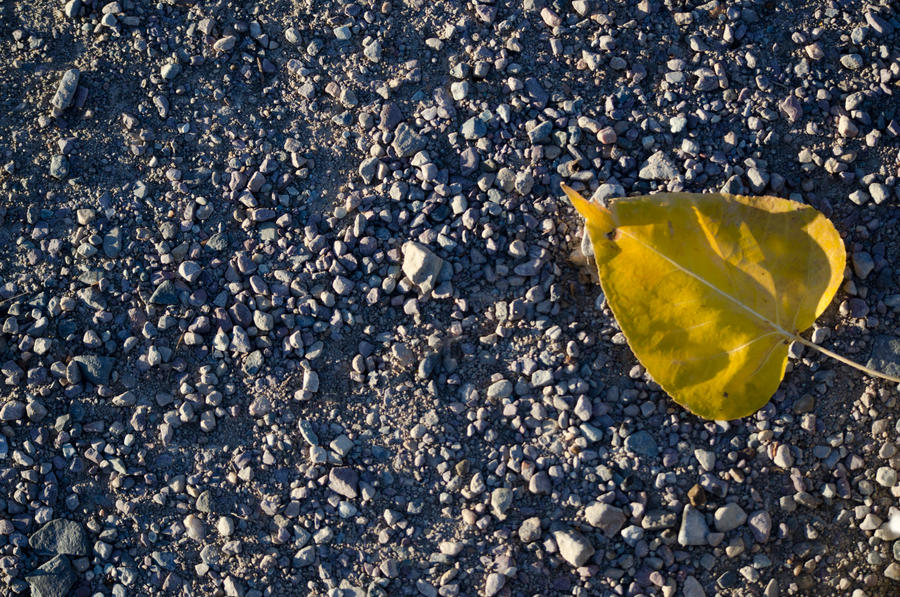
<point>291,302</point>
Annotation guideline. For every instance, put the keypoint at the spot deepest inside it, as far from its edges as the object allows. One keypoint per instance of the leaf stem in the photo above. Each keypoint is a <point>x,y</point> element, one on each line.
<point>845,360</point>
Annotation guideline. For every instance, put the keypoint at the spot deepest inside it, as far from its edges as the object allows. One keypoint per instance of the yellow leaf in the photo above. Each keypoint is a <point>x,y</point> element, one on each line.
<point>710,289</point>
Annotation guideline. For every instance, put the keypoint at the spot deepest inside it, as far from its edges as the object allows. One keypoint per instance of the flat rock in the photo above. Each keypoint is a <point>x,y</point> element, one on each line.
<point>165,294</point>
<point>693,529</point>
<point>729,517</point>
<point>642,444</point>
<point>95,369</point>
<point>573,547</point>
<point>421,266</point>
<point>885,355</point>
<point>61,536</point>
<point>343,480</point>
<point>407,142</point>
<point>605,517</point>
<point>52,579</point>
<point>658,167</point>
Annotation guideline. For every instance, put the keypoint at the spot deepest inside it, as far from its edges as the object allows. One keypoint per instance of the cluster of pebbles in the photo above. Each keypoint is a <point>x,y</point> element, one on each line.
<point>291,303</point>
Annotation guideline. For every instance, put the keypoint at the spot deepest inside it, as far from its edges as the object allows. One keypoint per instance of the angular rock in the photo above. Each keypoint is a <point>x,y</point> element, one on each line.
<point>52,579</point>
<point>165,294</point>
<point>658,167</point>
<point>605,517</point>
<point>693,529</point>
<point>407,142</point>
<point>95,369</point>
<point>343,481</point>
<point>421,266</point>
<point>642,444</point>
<point>61,536</point>
<point>573,547</point>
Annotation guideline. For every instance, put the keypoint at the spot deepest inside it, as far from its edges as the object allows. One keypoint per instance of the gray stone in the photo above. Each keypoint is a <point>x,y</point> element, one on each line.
<point>658,167</point>
<point>500,389</point>
<point>170,70</point>
<point>59,166</point>
<point>760,524</point>
<point>406,141</point>
<point>885,355</point>
<point>60,536</point>
<point>692,588</point>
<point>65,91</point>
<point>573,546</point>
<point>501,500</point>
<point>421,266</point>
<point>642,444</point>
<point>729,517</point>
<point>52,579</point>
<point>863,264</point>
<point>605,517</point>
<point>493,584</point>
<point>473,128</point>
<point>165,294</point>
<point>95,369</point>
<point>367,169</point>
<point>343,481</point>
<point>694,530</point>
<point>530,529</point>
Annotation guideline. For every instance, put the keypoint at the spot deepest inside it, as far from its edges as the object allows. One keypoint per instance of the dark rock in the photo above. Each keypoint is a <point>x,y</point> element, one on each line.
<point>53,579</point>
<point>61,536</point>
<point>95,369</point>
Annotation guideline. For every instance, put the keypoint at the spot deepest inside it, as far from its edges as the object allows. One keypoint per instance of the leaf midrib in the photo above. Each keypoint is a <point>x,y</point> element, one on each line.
<point>709,284</point>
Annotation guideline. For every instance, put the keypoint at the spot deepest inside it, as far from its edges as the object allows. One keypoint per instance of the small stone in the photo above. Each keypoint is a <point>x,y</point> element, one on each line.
<point>189,271</point>
<point>879,192</point>
<point>706,458</point>
<point>170,70</point>
<point>642,444</point>
<point>760,525</point>
<point>885,355</point>
<point>846,127</point>
<point>886,476</point>
<point>52,579</point>
<point>421,266</point>
<point>501,500</point>
<point>406,141</point>
<point>59,166</point>
<point>61,536</point>
<point>500,389</point>
<point>783,456</point>
<point>493,584</point>
<point>692,588</point>
<point>530,530</point>
<point>694,530</point>
<point>94,369</point>
<point>893,571</point>
<point>573,547</point>
<point>65,91</point>
<point>852,61</point>
<point>863,264</point>
<point>473,128</point>
<point>605,517</point>
<point>343,481</point>
<point>729,517</point>
<point>368,168</point>
<point>12,410</point>
<point>658,167</point>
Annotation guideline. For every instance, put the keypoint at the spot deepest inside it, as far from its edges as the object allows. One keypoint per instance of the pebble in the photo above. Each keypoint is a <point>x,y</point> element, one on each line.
<point>605,517</point>
<point>573,546</point>
<point>642,443</point>
<point>729,517</point>
<point>65,91</point>
<point>783,456</point>
<point>60,536</point>
<point>54,578</point>
<point>421,266</point>
<point>886,476</point>
<point>658,167</point>
<point>530,530</point>
<point>694,530</point>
